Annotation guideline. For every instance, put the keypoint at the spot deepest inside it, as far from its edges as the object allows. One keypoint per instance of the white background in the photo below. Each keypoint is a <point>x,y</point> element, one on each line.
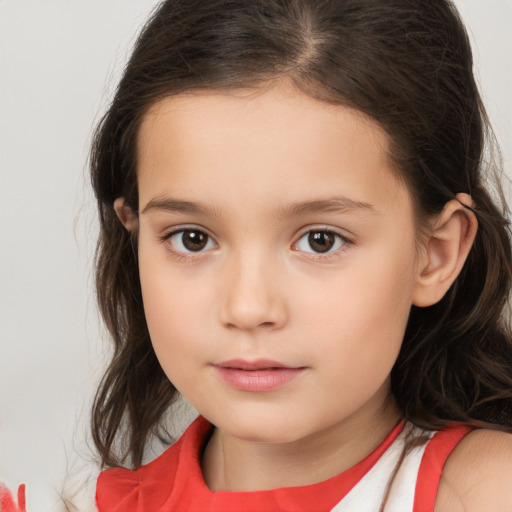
<point>59,63</point>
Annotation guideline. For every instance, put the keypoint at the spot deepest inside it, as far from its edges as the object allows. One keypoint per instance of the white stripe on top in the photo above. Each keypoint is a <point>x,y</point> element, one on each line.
<point>367,495</point>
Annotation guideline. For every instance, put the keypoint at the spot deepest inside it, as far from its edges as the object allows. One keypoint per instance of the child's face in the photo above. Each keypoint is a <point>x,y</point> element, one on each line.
<point>293,243</point>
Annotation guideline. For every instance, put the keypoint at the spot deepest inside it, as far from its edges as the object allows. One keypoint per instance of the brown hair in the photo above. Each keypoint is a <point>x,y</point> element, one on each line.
<point>405,63</point>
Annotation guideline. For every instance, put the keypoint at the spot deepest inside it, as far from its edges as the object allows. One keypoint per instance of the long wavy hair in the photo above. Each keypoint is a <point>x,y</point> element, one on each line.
<point>407,64</point>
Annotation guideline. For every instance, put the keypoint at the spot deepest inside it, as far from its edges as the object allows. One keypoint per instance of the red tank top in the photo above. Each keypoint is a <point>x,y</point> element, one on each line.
<point>174,482</point>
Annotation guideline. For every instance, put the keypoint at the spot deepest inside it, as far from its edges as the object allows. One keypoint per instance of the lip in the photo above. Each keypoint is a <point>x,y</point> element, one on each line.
<point>256,376</point>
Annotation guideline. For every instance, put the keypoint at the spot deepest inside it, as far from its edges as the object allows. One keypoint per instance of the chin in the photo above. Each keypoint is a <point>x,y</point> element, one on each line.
<point>262,437</point>
<point>275,430</point>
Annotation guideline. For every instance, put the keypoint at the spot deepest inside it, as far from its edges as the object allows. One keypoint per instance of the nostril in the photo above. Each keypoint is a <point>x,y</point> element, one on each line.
<point>249,319</point>
<point>245,325</point>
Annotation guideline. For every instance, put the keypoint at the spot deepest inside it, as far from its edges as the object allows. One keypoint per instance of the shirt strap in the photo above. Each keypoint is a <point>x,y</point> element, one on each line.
<point>434,458</point>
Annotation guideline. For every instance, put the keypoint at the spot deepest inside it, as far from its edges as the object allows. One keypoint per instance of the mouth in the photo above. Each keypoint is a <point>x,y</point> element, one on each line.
<point>256,376</point>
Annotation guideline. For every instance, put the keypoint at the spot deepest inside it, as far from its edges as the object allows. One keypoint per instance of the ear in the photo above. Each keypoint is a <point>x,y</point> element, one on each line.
<point>445,251</point>
<point>126,215</point>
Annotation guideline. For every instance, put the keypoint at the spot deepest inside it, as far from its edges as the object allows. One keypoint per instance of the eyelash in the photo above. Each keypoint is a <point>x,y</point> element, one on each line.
<point>182,256</point>
<point>328,255</point>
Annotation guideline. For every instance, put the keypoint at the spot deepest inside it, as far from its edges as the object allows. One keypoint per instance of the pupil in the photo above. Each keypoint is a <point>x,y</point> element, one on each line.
<point>321,241</point>
<point>194,240</point>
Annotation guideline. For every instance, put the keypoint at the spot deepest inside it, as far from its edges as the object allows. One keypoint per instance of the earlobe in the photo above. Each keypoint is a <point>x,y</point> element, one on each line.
<point>126,215</point>
<point>445,250</point>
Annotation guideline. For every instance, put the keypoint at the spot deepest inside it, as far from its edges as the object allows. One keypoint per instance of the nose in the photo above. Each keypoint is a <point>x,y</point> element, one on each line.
<point>252,295</point>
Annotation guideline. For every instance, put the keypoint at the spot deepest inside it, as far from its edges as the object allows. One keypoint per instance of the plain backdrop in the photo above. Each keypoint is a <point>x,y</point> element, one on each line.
<point>59,63</point>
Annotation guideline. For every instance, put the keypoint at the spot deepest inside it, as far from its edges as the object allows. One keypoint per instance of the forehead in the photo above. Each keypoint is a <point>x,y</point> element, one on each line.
<point>274,143</point>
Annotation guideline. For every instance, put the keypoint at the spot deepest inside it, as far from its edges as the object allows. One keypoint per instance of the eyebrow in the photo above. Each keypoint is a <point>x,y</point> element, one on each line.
<point>333,204</point>
<point>300,208</point>
<point>180,206</point>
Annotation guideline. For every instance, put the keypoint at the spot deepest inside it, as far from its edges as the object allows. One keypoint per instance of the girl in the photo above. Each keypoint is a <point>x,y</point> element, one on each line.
<point>295,236</point>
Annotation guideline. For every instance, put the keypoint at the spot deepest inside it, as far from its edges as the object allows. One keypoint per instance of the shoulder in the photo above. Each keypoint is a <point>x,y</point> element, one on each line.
<point>122,489</point>
<point>148,487</point>
<point>478,474</point>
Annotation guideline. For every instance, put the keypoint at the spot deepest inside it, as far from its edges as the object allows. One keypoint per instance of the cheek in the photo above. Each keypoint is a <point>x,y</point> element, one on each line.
<point>174,308</point>
<point>174,331</point>
<point>361,314</point>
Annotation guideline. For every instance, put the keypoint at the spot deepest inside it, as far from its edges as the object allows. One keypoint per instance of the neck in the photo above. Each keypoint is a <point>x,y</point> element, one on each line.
<point>231,464</point>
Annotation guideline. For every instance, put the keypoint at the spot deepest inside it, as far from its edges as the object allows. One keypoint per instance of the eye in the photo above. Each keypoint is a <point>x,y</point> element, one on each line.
<point>190,241</point>
<point>320,241</point>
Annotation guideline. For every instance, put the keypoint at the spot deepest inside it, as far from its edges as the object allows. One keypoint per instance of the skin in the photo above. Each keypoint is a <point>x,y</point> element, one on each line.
<point>250,161</point>
<point>477,475</point>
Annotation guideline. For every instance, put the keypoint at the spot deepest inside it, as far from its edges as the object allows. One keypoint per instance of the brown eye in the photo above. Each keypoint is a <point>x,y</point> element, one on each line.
<point>320,241</point>
<point>190,240</point>
<point>194,240</point>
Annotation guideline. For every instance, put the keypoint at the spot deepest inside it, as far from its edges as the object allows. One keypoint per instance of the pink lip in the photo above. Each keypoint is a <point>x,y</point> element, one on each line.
<point>259,375</point>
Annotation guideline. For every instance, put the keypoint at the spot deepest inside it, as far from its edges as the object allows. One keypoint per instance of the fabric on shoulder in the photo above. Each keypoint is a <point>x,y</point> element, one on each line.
<point>368,495</point>
<point>414,488</point>
<point>431,469</point>
<point>174,481</point>
<point>147,488</point>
